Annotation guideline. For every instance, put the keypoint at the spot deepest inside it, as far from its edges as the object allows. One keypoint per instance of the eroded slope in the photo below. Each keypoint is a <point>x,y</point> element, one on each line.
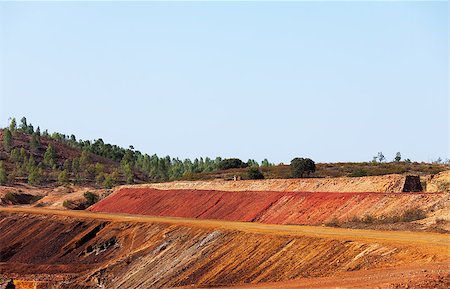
<point>267,207</point>
<point>130,252</point>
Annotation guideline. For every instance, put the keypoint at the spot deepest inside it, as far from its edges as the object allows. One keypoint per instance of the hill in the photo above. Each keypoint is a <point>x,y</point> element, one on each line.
<point>28,155</point>
<point>47,161</point>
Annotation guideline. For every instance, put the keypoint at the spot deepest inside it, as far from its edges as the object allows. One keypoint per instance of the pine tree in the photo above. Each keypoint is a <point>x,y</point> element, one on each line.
<point>23,124</point>
<point>34,143</point>
<point>49,156</point>
<point>63,178</point>
<point>3,175</point>
<point>35,176</point>
<point>7,139</point>
<point>13,125</point>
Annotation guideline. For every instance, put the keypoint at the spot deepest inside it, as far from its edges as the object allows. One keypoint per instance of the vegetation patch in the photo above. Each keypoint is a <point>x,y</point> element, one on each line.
<point>407,216</point>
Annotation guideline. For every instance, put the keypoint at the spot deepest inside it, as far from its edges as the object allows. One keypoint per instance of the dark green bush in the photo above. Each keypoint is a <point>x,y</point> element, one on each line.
<point>232,163</point>
<point>255,174</point>
<point>359,173</point>
<point>91,199</point>
<point>302,166</point>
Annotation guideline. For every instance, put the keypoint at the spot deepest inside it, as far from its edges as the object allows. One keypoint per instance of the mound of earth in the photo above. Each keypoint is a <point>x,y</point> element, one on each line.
<point>74,249</point>
<point>387,183</point>
<point>439,182</point>
<point>50,197</point>
<point>267,207</point>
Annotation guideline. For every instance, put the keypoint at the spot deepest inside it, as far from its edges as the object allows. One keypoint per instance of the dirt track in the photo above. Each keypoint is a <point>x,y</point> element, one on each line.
<point>430,240</point>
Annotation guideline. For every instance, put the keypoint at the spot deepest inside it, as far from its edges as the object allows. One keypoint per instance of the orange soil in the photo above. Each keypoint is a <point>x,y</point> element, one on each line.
<point>266,207</point>
<point>125,251</point>
<point>409,276</point>
<point>386,183</point>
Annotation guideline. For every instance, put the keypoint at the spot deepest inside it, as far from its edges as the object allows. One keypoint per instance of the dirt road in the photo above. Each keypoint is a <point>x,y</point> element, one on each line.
<point>422,239</point>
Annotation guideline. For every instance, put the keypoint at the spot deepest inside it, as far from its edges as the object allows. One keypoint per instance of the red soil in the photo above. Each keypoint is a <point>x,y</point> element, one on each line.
<point>265,207</point>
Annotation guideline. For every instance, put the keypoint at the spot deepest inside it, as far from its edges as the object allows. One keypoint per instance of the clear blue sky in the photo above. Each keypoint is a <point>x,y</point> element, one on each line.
<point>329,81</point>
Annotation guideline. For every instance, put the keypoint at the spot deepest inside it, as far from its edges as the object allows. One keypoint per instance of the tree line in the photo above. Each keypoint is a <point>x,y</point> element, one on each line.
<point>132,163</point>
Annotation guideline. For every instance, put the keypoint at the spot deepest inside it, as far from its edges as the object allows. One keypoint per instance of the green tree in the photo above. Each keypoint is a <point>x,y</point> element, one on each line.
<point>49,156</point>
<point>63,178</point>
<point>254,173</point>
<point>23,124</point>
<point>67,165</point>
<point>302,166</point>
<point>232,163</point>
<point>35,176</point>
<point>398,157</point>
<point>84,159</point>
<point>128,172</point>
<point>380,157</point>
<point>7,139</point>
<point>108,182</point>
<point>75,165</point>
<point>14,156</point>
<point>13,125</point>
<point>34,142</point>
<point>265,163</point>
<point>3,175</point>
<point>252,163</point>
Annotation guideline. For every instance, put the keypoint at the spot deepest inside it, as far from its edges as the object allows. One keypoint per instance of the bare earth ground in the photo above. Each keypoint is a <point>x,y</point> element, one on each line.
<point>415,276</point>
<point>430,270</point>
<point>433,241</point>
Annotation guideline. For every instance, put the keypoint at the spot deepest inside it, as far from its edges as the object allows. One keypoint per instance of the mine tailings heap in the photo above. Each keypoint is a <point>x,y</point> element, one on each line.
<point>244,201</point>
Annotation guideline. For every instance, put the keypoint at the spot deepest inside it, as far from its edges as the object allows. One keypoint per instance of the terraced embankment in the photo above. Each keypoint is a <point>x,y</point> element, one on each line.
<point>87,250</point>
<point>267,207</point>
<point>386,184</point>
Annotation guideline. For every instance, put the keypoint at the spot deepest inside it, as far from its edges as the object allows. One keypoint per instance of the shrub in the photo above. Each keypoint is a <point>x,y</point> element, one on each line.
<point>255,174</point>
<point>413,215</point>
<point>232,163</point>
<point>302,166</point>
<point>68,204</point>
<point>91,198</point>
<point>359,173</point>
<point>368,219</point>
<point>332,223</point>
<point>10,197</point>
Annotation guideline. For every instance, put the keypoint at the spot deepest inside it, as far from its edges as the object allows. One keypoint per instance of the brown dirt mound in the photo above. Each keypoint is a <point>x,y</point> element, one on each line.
<point>133,252</point>
<point>439,182</point>
<point>387,183</point>
<point>267,207</point>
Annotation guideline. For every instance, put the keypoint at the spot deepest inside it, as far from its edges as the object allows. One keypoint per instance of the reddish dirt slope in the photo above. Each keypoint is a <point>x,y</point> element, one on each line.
<point>266,207</point>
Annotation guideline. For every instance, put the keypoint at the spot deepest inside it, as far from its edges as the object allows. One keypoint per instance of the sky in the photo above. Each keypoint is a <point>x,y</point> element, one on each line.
<point>332,81</point>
